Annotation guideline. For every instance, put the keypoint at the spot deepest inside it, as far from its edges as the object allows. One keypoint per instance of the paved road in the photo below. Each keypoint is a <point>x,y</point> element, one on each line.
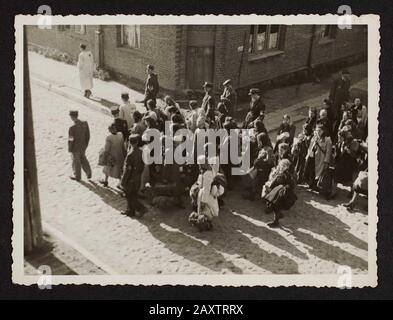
<point>317,236</point>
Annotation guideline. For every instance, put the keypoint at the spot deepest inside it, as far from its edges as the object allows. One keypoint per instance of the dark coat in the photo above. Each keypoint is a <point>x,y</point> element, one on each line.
<point>208,102</point>
<point>122,126</point>
<point>152,87</point>
<point>132,171</point>
<point>290,128</point>
<point>339,93</point>
<point>78,136</point>
<point>257,106</point>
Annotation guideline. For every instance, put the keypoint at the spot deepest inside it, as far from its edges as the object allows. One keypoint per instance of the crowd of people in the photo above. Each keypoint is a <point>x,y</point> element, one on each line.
<point>331,148</point>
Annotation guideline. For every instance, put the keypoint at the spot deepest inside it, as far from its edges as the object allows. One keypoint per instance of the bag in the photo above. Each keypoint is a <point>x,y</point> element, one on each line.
<point>200,221</point>
<point>326,183</point>
<point>105,158</point>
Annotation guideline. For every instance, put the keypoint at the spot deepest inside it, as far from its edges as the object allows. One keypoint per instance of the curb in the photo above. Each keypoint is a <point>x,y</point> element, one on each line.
<point>69,95</point>
<point>97,107</point>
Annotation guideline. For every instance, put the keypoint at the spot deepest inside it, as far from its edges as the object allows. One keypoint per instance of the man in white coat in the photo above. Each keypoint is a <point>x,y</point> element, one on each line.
<point>86,69</point>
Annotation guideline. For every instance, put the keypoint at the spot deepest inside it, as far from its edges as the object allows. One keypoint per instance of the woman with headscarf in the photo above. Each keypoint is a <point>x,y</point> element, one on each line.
<point>204,196</point>
<point>278,191</point>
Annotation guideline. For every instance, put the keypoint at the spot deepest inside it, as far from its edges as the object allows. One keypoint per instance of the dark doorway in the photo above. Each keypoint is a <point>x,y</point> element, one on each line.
<point>200,63</point>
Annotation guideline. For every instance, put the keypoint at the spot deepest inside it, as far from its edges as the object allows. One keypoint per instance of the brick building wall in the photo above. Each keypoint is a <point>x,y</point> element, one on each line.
<point>65,40</point>
<point>177,52</point>
<point>292,55</point>
<point>157,47</point>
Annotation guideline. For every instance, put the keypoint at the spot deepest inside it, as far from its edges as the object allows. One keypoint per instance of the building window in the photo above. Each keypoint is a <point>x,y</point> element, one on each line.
<point>328,32</point>
<point>80,28</point>
<point>264,38</point>
<point>130,36</point>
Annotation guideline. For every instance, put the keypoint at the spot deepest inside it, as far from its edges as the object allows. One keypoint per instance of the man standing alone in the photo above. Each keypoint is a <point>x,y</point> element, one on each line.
<point>339,95</point>
<point>78,140</point>
<point>86,69</point>
<point>131,179</point>
<point>151,85</point>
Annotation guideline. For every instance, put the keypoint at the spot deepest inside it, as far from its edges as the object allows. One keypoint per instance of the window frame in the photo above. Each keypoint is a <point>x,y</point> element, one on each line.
<point>252,45</point>
<point>121,37</point>
<point>331,34</point>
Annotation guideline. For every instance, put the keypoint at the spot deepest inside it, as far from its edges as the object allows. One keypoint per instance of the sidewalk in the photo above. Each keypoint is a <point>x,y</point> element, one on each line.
<point>63,79</point>
<point>62,257</point>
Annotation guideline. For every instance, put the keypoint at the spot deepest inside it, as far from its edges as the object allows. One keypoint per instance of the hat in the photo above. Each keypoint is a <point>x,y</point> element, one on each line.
<point>115,110</point>
<point>74,113</point>
<point>226,82</point>
<point>125,95</point>
<point>134,138</point>
<point>149,66</point>
<point>207,85</point>
<point>254,91</point>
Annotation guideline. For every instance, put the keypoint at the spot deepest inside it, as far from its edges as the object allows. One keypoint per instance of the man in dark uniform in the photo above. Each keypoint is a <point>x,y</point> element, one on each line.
<point>151,85</point>
<point>121,125</point>
<point>339,94</point>
<point>131,179</point>
<point>208,100</point>
<point>256,106</point>
<point>78,140</point>
<point>229,96</point>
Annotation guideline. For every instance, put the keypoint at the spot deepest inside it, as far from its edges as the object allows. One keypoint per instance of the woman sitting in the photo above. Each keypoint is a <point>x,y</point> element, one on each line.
<point>278,192</point>
<point>204,196</point>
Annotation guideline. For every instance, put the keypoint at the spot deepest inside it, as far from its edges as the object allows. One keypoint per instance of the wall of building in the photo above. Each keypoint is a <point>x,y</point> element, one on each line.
<point>347,42</point>
<point>165,46</point>
<point>246,70</point>
<point>66,41</point>
<point>157,47</point>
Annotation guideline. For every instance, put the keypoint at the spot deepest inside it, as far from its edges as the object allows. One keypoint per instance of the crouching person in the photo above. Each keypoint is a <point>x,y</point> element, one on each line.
<point>131,178</point>
<point>204,196</point>
<point>279,192</point>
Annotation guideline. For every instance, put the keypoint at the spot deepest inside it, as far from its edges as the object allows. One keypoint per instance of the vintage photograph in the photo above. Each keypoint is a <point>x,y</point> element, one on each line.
<point>196,150</point>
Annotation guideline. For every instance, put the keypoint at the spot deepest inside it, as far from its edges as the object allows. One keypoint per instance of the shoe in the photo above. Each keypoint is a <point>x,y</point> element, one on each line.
<point>273,224</point>
<point>103,182</point>
<point>74,178</point>
<point>128,213</point>
<point>349,205</point>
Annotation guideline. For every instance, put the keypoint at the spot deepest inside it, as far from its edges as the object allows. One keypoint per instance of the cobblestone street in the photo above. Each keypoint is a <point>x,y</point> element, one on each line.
<point>317,235</point>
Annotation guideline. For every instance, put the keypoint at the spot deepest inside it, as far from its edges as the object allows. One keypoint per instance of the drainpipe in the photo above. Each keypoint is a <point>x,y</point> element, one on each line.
<point>309,58</point>
<point>99,46</point>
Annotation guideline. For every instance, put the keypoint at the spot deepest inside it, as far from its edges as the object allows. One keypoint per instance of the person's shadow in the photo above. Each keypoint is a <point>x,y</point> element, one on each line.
<point>229,236</point>
<point>305,215</point>
<point>109,195</point>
